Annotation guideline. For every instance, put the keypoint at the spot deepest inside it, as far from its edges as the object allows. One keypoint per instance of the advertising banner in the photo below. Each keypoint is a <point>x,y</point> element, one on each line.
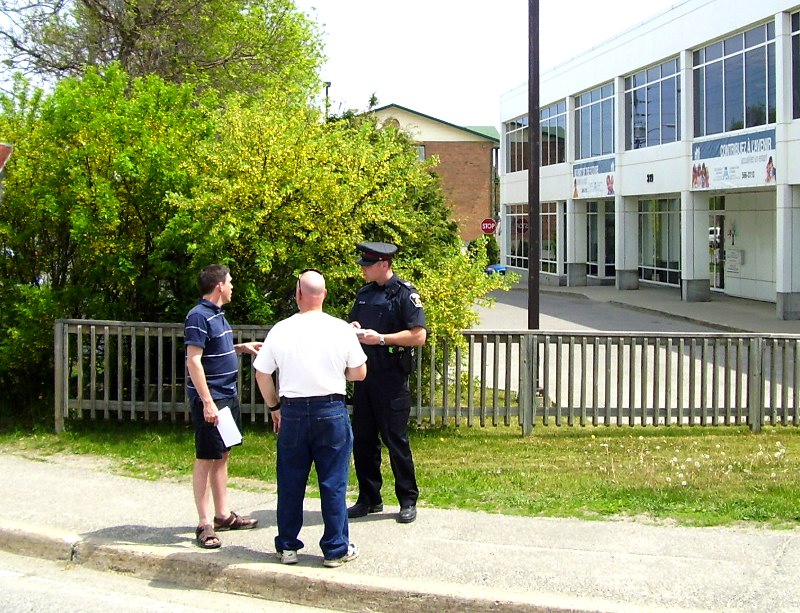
<point>735,161</point>
<point>593,179</point>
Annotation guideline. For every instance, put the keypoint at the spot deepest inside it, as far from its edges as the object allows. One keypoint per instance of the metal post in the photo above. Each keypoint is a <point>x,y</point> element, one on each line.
<point>534,139</point>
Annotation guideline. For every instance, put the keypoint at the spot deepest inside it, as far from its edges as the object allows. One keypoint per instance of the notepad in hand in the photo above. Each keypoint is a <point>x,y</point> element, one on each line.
<point>227,428</point>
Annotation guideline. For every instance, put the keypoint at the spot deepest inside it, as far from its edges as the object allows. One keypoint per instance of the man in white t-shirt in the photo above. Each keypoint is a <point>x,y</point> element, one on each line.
<point>314,354</point>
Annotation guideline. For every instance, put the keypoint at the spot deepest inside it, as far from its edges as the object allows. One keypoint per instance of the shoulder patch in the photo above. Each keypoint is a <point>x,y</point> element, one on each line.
<point>415,300</point>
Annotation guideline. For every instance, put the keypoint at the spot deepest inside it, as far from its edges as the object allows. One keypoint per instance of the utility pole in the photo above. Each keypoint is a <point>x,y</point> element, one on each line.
<point>534,141</point>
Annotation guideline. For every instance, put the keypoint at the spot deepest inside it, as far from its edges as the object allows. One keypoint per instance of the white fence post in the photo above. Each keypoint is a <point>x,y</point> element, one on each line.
<point>60,374</point>
<point>527,393</point>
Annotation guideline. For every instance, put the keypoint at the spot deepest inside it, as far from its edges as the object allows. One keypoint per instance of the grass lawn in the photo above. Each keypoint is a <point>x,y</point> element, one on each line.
<point>693,476</point>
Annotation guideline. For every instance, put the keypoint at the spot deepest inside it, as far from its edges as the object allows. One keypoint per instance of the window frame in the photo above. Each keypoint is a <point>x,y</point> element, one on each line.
<point>553,121</point>
<point>725,73</point>
<point>516,135</point>
<point>659,86</point>
<point>795,45</point>
<point>594,122</point>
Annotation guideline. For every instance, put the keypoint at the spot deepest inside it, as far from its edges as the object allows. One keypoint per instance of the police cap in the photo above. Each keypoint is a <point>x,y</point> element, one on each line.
<point>375,252</point>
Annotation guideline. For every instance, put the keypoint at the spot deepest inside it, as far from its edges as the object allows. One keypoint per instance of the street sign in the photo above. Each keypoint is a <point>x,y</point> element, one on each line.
<point>5,153</point>
<point>488,225</point>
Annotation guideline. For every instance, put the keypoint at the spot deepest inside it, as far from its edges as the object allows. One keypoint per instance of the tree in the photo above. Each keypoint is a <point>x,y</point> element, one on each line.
<point>284,191</point>
<point>231,45</point>
<point>120,190</point>
<point>83,204</point>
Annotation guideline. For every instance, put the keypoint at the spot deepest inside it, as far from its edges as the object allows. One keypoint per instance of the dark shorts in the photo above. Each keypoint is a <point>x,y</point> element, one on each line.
<point>208,443</point>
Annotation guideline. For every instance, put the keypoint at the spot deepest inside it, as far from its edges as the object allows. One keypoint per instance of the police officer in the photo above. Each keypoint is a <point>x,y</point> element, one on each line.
<point>390,313</point>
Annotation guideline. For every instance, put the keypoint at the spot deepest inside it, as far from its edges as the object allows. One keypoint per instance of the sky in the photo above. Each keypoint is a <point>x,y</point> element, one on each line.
<point>454,59</point>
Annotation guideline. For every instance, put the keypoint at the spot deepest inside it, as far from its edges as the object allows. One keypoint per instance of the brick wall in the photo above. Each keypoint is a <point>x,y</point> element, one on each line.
<point>466,172</point>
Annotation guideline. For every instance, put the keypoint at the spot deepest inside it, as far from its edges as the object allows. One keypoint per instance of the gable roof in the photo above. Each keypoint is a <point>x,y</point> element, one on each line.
<point>487,132</point>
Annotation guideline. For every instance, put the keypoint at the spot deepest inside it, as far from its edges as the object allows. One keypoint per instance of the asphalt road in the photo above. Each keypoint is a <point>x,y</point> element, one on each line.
<point>43,586</point>
<point>560,312</point>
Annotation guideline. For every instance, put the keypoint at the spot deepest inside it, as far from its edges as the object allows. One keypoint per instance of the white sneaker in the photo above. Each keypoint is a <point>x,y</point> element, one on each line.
<point>352,554</point>
<point>287,556</point>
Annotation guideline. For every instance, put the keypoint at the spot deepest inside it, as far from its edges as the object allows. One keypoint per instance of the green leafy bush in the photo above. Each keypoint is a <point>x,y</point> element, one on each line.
<point>486,244</point>
<point>120,190</point>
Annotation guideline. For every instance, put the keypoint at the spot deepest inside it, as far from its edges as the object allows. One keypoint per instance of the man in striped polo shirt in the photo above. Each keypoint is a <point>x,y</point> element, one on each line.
<point>213,366</point>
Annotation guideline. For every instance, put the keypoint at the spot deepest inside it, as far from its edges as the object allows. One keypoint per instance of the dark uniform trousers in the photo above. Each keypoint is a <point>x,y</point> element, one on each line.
<point>381,408</point>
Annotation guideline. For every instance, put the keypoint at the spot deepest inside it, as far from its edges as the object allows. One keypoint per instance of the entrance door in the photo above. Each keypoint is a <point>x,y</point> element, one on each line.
<point>611,257</point>
<point>600,253</point>
<point>716,250</point>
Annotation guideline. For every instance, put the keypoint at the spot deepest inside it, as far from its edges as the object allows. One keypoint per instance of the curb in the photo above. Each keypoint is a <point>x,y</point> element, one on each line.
<point>644,309</point>
<point>676,317</point>
<point>273,582</point>
<point>46,543</point>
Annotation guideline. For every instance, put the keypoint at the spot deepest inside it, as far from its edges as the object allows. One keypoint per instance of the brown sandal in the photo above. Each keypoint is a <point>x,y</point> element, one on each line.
<point>206,537</point>
<point>235,522</point>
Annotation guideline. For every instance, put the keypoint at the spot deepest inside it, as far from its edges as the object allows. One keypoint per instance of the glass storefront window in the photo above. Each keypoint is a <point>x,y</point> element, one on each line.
<point>517,229</point>
<point>600,231</point>
<point>660,241</point>
<point>550,245</point>
<point>592,239</point>
<point>549,238</point>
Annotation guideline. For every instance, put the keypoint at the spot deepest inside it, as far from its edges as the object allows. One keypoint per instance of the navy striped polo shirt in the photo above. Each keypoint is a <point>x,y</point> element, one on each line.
<point>206,327</point>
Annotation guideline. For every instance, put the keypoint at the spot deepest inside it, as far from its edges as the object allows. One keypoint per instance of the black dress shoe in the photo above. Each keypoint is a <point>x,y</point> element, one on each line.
<point>407,514</point>
<point>360,509</point>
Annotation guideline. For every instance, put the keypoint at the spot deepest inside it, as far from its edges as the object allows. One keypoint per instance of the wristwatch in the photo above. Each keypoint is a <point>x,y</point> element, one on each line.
<point>381,340</point>
<point>277,407</point>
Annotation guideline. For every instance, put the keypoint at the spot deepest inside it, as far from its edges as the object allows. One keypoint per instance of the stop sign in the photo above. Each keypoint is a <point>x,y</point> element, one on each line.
<point>488,225</point>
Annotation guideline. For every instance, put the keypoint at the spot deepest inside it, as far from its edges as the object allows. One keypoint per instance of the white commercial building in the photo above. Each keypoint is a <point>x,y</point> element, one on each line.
<point>669,155</point>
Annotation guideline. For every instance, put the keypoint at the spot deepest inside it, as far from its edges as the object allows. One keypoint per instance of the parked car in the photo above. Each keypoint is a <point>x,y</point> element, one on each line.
<point>714,236</point>
<point>492,269</point>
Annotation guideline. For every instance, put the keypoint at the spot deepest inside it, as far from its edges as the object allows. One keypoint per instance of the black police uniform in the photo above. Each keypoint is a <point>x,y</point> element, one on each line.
<point>382,401</point>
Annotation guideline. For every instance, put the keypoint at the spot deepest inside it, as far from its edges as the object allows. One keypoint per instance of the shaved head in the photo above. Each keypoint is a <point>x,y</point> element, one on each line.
<point>311,291</point>
<point>312,283</point>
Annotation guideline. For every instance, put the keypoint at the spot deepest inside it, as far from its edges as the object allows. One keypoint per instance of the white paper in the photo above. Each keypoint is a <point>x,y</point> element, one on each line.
<point>227,428</point>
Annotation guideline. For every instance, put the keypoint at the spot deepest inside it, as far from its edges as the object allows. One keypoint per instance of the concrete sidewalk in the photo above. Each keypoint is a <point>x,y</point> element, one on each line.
<point>73,509</point>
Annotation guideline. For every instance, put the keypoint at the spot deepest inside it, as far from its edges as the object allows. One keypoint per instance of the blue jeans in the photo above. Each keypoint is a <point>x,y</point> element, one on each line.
<point>319,432</point>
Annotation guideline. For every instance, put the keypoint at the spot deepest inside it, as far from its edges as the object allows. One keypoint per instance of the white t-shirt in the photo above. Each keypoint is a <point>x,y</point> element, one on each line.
<point>310,352</point>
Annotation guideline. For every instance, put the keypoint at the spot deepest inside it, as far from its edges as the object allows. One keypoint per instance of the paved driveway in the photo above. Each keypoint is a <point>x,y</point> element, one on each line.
<point>573,312</point>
